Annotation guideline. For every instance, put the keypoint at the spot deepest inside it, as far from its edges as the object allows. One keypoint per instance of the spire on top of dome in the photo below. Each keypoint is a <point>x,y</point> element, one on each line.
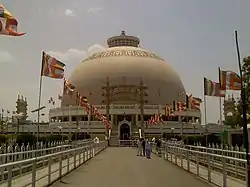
<point>123,40</point>
<point>123,33</point>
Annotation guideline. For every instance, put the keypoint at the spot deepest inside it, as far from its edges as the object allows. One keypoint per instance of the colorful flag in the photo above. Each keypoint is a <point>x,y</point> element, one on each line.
<point>68,88</point>
<point>51,67</point>
<point>167,110</point>
<point>8,23</point>
<point>196,103</point>
<point>213,88</point>
<point>229,80</point>
<point>181,106</point>
<point>175,107</point>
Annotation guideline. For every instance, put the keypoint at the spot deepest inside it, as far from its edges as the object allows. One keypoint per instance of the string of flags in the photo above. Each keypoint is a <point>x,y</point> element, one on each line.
<point>51,101</point>
<point>155,119</point>
<point>53,68</point>
<point>8,23</point>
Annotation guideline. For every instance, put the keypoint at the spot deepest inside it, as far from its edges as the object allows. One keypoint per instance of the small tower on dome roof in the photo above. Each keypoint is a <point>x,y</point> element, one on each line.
<point>123,40</point>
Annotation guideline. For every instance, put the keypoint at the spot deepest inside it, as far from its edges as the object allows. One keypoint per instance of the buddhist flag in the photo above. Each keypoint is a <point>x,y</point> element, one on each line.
<point>213,89</point>
<point>195,103</point>
<point>175,107</point>
<point>68,88</point>
<point>167,110</point>
<point>8,23</point>
<point>51,67</point>
<point>229,80</point>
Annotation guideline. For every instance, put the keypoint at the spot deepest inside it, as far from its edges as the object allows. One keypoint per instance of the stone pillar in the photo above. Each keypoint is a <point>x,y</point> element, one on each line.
<point>229,138</point>
<point>181,125</point>
<point>136,120</point>
<point>112,119</point>
<point>193,121</point>
<point>89,121</point>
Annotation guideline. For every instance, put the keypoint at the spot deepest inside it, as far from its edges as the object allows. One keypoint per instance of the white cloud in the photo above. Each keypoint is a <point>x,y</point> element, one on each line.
<point>94,9</point>
<point>69,12</point>
<point>95,49</point>
<point>72,57</point>
<point>68,56</point>
<point>76,55</point>
<point>5,56</point>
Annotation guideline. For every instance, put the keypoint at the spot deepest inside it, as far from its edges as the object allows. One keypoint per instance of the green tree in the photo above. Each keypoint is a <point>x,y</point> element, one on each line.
<point>246,82</point>
<point>246,77</point>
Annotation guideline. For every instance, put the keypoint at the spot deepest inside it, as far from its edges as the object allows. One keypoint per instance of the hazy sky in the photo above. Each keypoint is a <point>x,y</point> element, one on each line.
<point>194,36</point>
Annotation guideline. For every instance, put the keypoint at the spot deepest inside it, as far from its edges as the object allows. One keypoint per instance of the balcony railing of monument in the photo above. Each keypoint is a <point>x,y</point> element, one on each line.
<point>66,109</point>
<point>112,106</point>
<point>44,170</point>
<point>217,166</point>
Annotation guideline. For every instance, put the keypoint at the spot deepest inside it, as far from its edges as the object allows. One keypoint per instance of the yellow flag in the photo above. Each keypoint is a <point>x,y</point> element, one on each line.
<point>5,13</point>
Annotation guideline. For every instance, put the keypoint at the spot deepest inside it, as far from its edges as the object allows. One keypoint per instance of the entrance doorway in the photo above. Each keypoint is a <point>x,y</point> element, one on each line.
<point>124,132</point>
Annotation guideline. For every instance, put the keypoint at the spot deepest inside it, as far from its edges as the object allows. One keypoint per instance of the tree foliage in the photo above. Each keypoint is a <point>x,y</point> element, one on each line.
<point>246,83</point>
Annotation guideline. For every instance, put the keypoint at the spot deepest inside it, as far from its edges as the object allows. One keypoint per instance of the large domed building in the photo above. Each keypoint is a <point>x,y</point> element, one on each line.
<point>128,83</point>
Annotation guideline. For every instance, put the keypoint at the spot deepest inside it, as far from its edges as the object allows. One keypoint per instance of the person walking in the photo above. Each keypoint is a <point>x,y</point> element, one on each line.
<point>148,149</point>
<point>143,146</point>
<point>139,150</point>
<point>158,145</point>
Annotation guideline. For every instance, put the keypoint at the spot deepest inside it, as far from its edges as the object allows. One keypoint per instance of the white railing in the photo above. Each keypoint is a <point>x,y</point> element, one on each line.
<point>44,170</point>
<point>21,154</point>
<point>219,169</point>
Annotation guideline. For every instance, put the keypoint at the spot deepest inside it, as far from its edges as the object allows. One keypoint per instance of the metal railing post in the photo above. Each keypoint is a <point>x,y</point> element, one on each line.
<point>197,164</point>
<point>208,168</point>
<point>49,170</point>
<point>60,165</point>
<point>33,183</point>
<point>9,176</point>
<point>224,172</point>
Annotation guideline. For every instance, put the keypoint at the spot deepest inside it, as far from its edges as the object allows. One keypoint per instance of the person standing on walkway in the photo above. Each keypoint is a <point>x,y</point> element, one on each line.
<point>148,149</point>
<point>139,150</point>
<point>143,146</point>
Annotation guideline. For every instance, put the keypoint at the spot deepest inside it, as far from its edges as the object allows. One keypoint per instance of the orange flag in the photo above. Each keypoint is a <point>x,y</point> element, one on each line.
<point>8,23</point>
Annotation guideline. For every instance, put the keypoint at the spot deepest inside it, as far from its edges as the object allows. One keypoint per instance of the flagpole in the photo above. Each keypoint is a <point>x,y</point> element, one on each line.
<point>39,102</point>
<point>205,112</point>
<point>244,110</point>
<point>220,108</point>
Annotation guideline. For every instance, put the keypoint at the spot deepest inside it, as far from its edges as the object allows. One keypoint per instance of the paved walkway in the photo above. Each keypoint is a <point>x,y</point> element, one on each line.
<point>121,167</point>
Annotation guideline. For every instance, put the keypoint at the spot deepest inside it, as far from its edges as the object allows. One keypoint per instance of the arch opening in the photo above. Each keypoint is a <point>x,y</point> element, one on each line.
<point>124,132</point>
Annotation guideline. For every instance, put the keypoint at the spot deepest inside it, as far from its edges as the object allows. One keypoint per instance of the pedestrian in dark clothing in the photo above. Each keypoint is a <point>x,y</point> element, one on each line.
<point>143,146</point>
<point>158,145</point>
